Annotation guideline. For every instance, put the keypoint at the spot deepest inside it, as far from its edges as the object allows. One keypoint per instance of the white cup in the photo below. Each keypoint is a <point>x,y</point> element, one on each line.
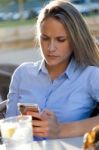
<point>17,132</point>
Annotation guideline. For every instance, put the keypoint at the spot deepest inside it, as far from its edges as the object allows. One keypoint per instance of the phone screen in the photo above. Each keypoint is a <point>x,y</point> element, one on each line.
<point>23,107</point>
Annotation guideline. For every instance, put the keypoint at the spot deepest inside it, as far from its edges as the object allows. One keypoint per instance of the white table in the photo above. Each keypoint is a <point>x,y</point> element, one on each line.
<point>59,144</point>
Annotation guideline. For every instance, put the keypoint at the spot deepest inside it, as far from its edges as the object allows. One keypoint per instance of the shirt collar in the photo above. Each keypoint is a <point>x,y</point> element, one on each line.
<point>42,67</point>
<point>72,66</point>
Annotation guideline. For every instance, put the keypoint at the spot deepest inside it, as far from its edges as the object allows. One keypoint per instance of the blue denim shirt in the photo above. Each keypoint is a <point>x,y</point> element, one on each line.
<point>72,96</point>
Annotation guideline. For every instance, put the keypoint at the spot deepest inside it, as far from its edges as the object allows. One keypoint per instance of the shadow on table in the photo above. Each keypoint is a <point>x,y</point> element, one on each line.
<point>76,141</point>
<point>60,144</point>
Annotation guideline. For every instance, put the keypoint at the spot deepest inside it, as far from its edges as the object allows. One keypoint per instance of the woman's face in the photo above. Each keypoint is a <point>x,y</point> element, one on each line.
<point>54,43</point>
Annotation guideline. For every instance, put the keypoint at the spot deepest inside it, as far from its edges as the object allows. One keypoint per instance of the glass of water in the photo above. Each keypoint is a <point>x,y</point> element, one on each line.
<point>17,132</point>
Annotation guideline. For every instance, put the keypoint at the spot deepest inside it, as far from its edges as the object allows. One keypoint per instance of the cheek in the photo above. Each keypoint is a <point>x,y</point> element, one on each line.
<point>44,46</point>
<point>69,51</point>
<point>41,46</point>
<point>66,50</point>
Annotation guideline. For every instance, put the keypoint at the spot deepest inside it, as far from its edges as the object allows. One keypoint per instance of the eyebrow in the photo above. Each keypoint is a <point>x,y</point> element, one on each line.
<point>60,36</point>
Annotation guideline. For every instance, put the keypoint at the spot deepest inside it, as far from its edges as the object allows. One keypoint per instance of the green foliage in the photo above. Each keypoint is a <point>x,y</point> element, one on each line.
<point>4,3</point>
<point>10,24</point>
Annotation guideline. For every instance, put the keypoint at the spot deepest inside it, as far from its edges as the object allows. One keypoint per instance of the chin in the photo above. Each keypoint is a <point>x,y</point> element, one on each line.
<point>52,64</point>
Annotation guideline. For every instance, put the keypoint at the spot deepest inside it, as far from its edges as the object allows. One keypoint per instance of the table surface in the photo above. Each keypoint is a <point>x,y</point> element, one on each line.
<point>60,144</point>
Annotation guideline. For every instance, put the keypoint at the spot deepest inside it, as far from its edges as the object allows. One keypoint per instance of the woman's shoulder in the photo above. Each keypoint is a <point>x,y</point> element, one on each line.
<point>28,66</point>
<point>93,82</point>
<point>93,73</point>
<point>93,69</point>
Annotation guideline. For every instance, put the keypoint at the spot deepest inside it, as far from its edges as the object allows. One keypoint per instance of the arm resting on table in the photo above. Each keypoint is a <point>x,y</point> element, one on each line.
<point>78,128</point>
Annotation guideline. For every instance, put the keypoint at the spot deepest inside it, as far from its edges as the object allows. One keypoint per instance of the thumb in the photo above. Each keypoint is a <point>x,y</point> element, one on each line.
<point>46,114</point>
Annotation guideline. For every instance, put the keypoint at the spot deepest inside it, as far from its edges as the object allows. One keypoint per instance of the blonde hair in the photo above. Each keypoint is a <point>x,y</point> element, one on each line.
<point>85,50</point>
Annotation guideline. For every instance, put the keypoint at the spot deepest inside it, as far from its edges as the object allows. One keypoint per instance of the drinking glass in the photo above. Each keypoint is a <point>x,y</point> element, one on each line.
<point>17,132</point>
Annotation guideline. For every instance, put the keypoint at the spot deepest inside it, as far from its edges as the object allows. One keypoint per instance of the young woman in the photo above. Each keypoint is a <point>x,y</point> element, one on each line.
<point>65,84</point>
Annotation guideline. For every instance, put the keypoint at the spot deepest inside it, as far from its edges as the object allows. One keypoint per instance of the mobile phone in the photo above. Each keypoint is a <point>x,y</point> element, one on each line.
<point>28,107</point>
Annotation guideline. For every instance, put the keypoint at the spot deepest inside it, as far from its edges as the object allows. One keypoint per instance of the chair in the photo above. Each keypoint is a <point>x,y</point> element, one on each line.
<point>3,105</point>
<point>95,111</point>
<point>6,71</point>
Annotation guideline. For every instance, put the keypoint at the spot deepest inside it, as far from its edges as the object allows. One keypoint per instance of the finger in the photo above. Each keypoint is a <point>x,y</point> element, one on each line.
<point>40,123</point>
<point>47,112</point>
<point>34,115</point>
<point>43,135</point>
<point>38,131</point>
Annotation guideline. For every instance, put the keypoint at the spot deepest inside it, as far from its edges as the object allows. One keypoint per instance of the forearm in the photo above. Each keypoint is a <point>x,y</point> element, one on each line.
<point>77,128</point>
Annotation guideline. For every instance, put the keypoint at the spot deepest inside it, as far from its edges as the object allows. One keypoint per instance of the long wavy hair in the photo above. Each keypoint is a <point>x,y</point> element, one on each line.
<point>85,50</point>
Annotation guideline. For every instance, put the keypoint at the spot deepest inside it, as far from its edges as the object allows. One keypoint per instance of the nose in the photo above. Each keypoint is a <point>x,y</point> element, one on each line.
<point>52,45</point>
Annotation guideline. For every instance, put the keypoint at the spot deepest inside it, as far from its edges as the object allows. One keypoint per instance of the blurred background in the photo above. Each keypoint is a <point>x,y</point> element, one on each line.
<point>17,33</point>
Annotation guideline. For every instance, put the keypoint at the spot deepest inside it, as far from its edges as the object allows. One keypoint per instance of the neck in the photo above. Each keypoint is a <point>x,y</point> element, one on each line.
<point>56,71</point>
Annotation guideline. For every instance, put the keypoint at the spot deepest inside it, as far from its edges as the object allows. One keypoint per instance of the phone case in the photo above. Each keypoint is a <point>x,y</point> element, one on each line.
<point>28,106</point>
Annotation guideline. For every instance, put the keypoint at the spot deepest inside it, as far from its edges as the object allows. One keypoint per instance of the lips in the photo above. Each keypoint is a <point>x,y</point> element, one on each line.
<point>52,56</point>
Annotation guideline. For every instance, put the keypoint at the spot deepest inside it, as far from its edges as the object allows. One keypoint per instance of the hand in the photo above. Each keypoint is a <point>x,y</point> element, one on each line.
<point>46,126</point>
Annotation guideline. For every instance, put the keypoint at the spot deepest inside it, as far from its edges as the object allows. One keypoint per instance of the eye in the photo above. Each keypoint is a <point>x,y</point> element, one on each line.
<point>61,39</point>
<point>43,37</point>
